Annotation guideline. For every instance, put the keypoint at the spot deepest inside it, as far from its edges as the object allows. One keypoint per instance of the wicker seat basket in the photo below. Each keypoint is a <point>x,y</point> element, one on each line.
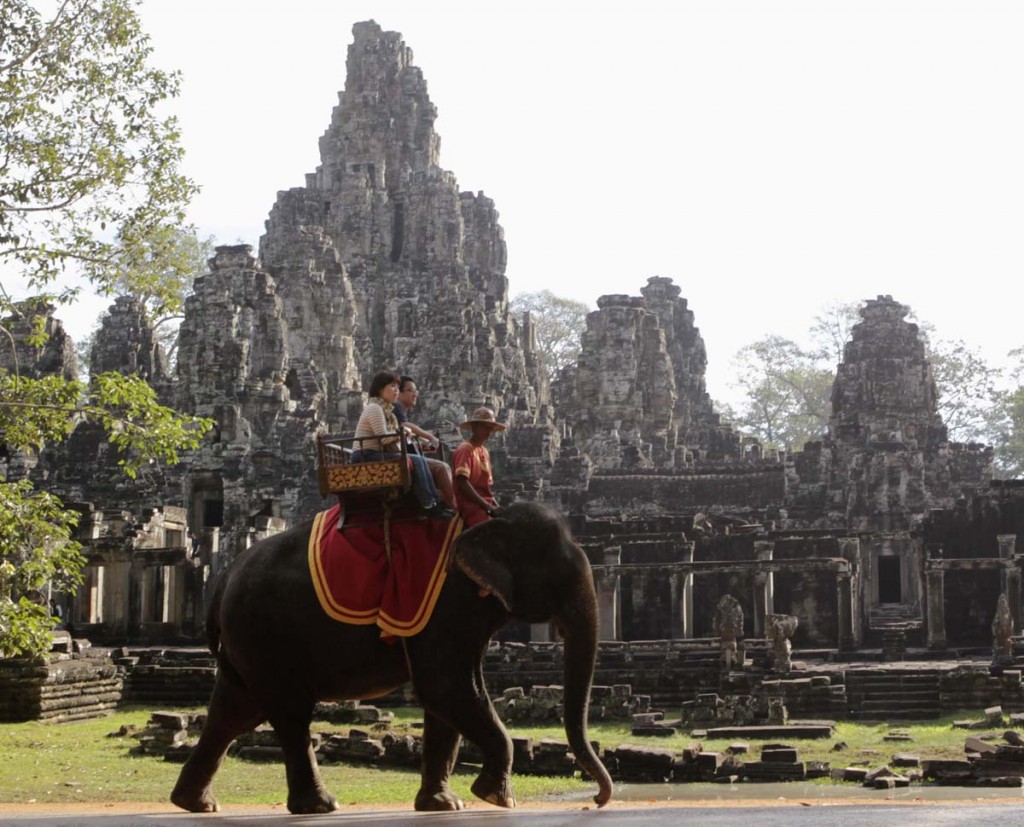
<point>337,474</point>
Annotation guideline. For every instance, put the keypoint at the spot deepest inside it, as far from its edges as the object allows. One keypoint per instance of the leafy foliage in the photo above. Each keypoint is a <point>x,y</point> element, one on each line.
<point>559,324</point>
<point>34,551</point>
<point>967,389</point>
<point>786,392</point>
<point>787,388</point>
<point>1006,423</point>
<point>90,186</point>
<point>162,279</point>
<point>90,169</point>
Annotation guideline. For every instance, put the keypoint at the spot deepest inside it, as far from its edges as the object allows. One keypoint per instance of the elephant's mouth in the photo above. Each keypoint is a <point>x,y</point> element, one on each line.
<point>486,587</point>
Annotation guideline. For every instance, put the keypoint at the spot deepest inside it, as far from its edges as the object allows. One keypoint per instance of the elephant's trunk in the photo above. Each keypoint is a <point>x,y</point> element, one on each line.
<point>579,628</point>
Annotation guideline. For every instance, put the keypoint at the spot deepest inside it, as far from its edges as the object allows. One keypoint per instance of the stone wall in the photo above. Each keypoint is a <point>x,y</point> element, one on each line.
<point>59,689</point>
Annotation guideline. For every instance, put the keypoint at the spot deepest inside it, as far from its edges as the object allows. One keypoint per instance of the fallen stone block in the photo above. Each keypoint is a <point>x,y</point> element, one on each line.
<point>1000,781</point>
<point>653,731</point>
<point>938,768</point>
<point>818,769</point>
<point>773,771</point>
<point>785,755</point>
<point>979,746</point>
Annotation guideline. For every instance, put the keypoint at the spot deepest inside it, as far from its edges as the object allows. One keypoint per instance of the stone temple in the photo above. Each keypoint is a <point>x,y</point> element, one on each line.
<point>882,540</point>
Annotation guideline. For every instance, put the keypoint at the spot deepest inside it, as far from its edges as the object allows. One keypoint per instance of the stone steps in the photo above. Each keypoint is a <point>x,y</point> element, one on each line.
<point>889,695</point>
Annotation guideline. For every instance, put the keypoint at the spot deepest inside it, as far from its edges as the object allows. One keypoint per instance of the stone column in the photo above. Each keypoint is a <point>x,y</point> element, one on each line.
<point>209,554</point>
<point>849,550</point>
<point>608,596</point>
<point>136,599</point>
<point>685,609</point>
<point>1010,578</point>
<point>764,587</point>
<point>844,596</point>
<point>935,579</point>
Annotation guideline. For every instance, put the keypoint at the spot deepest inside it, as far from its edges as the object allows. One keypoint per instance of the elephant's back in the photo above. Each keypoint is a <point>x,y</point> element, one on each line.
<point>268,583</point>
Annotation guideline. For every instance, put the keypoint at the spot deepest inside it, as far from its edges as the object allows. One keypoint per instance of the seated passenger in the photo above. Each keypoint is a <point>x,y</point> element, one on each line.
<point>408,393</point>
<point>378,420</point>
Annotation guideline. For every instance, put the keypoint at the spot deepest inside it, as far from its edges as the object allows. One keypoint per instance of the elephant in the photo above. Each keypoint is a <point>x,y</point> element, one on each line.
<point>279,653</point>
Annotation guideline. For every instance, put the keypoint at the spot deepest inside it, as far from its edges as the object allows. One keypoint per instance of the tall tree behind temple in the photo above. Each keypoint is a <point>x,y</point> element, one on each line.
<point>558,322</point>
<point>1006,422</point>
<point>786,392</point>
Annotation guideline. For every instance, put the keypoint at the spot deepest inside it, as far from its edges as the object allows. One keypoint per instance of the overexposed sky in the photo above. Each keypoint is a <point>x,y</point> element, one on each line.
<point>770,157</point>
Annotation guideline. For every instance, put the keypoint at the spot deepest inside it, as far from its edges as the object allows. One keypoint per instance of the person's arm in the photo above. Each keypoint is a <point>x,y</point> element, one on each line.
<point>374,421</point>
<point>422,434</point>
<point>467,493</point>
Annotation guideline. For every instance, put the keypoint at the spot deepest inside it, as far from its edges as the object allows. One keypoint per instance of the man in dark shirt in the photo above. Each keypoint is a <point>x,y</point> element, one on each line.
<point>408,393</point>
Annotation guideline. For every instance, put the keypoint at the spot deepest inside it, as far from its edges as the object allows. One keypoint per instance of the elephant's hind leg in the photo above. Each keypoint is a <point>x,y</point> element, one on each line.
<point>233,711</point>
<point>306,791</point>
<point>440,749</point>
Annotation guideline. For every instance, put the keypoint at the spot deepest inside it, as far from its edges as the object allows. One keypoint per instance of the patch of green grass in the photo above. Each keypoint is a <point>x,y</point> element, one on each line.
<point>77,762</point>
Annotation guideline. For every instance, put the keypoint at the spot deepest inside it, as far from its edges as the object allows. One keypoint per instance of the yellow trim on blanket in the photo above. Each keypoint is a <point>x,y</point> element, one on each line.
<point>433,591</point>
<point>333,609</point>
<point>388,624</point>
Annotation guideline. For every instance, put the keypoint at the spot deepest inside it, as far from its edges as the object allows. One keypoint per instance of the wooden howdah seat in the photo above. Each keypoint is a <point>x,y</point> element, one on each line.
<point>364,487</point>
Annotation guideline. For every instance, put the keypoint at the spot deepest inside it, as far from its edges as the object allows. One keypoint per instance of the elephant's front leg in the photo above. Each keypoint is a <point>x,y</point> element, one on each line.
<point>306,791</point>
<point>440,749</point>
<point>467,707</point>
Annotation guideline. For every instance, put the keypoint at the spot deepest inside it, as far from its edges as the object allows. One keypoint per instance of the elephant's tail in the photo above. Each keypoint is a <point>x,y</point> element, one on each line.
<point>213,614</point>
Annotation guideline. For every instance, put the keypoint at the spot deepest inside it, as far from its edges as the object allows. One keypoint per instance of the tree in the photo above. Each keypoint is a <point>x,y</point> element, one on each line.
<point>559,325</point>
<point>163,280</point>
<point>89,185</point>
<point>831,330</point>
<point>967,387</point>
<point>90,170</point>
<point>786,393</point>
<point>788,388</point>
<point>1006,423</point>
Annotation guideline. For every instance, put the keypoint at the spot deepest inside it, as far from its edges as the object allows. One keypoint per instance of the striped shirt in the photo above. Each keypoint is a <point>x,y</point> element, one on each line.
<point>373,422</point>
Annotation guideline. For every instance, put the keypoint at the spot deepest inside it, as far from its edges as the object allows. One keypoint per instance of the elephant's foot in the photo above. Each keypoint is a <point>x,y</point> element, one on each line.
<point>317,801</point>
<point>204,802</point>
<point>442,801</point>
<point>494,790</point>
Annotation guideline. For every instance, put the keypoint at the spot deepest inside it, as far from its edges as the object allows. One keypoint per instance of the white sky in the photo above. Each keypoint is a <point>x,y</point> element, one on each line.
<point>770,157</point>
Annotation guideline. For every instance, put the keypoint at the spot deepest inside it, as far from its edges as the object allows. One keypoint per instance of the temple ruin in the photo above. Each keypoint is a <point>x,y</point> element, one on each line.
<point>880,540</point>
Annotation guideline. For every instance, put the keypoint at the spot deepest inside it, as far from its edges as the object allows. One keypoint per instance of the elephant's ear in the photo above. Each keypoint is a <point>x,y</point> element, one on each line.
<point>482,553</point>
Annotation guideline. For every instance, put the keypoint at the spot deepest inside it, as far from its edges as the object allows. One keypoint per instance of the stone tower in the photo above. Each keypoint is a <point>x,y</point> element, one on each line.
<point>378,261</point>
<point>385,238</point>
<point>637,397</point>
<point>887,460</point>
<point>890,450</point>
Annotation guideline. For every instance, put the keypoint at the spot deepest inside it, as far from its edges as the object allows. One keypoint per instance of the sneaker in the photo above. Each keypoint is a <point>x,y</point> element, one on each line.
<point>440,511</point>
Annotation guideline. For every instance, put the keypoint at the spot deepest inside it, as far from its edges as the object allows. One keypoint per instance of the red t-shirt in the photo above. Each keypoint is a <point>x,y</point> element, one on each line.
<point>473,463</point>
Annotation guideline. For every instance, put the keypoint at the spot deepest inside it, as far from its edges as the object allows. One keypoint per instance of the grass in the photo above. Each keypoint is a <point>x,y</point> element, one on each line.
<point>77,762</point>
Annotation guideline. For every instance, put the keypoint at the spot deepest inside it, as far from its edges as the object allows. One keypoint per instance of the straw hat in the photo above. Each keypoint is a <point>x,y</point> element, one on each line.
<point>482,416</point>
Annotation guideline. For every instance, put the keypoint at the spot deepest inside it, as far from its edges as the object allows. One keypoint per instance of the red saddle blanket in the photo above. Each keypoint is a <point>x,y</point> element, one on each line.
<point>356,583</point>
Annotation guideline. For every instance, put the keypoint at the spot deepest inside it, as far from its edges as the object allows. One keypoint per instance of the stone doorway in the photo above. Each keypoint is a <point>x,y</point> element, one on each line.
<point>890,580</point>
